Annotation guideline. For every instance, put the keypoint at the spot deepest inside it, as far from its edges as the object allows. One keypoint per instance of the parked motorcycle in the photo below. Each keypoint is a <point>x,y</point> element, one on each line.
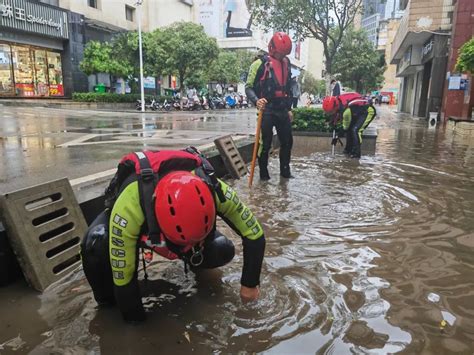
<point>243,102</point>
<point>165,106</point>
<point>216,103</point>
<point>152,105</point>
<point>230,101</point>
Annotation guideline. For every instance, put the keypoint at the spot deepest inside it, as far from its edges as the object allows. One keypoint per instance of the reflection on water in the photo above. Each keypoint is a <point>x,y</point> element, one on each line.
<point>369,256</point>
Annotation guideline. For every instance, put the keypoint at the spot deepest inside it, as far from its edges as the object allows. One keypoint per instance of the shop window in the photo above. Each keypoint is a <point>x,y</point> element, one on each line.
<point>55,74</point>
<point>6,74</point>
<point>129,13</point>
<point>23,70</point>
<point>41,73</point>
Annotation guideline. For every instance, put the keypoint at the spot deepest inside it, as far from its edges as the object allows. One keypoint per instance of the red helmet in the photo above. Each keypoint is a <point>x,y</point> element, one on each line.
<point>330,104</point>
<point>280,43</point>
<point>184,207</point>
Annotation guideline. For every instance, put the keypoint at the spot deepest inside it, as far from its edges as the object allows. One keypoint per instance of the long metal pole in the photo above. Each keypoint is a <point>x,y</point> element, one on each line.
<point>139,20</point>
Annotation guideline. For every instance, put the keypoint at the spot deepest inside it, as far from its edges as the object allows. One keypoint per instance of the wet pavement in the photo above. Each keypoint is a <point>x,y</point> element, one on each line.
<point>40,144</point>
<point>363,256</point>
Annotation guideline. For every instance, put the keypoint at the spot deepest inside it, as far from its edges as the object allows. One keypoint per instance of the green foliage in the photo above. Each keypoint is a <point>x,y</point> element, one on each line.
<point>115,58</point>
<point>197,80</point>
<point>358,64</point>
<point>465,62</point>
<point>96,58</point>
<point>323,20</point>
<point>116,98</point>
<point>225,69</point>
<point>311,85</point>
<point>245,59</point>
<point>311,120</point>
<point>189,48</point>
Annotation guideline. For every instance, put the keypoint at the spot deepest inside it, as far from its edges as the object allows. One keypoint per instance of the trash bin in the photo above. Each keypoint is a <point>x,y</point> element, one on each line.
<point>99,88</point>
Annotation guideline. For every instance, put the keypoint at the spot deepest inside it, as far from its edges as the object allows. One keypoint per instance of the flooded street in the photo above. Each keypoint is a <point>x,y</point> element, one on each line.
<point>370,256</point>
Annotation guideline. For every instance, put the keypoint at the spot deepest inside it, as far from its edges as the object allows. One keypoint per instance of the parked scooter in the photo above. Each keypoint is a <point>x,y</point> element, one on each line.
<point>153,105</point>
<point>165,106</point>
<point>230,101</point>
<point>204,102</point>
<point>243,102</point>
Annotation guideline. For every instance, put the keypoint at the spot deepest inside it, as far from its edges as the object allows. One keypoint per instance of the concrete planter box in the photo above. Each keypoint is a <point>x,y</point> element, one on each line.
<point>320,141</point>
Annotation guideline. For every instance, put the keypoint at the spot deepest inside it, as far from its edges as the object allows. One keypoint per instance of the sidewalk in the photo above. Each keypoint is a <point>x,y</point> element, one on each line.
<point>68,104</point>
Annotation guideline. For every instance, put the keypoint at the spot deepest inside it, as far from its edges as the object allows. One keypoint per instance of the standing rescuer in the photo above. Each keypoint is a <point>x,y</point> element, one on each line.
<point>166,202</point>
<point>357,113</point>
<point>269,88</point>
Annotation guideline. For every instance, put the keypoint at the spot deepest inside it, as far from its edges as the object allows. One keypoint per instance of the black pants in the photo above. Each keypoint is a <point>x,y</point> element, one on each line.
<point>353,140</point>
<point>279,120</point>
<point>218,250</point>
<point>294,102</point>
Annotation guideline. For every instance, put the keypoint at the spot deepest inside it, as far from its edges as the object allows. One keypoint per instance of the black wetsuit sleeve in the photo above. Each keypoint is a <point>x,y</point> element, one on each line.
<point>253,258</point>
<point>239,217</point>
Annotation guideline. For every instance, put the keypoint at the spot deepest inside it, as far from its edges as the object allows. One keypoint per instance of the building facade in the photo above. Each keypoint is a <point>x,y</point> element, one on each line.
<point>387,31</point>
<point>458,98</point>
<point>231,24</point>
<point>33,49</point>
<point>420,50</point>
<point>42,41</point>
<point>371,26</point>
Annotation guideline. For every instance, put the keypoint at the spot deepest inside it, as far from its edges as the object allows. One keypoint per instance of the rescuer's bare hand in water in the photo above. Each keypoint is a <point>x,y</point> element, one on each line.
<point>248,294</point>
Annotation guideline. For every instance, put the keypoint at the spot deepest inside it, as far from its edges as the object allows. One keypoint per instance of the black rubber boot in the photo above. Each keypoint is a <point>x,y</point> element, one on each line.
<point>264,175</point>
<point>286,173</point>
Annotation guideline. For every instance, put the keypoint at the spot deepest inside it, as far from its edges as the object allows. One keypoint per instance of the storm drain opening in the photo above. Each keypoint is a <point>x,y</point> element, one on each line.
<point>56,232</point>
<point>35,204</point>
<point>50,216</point>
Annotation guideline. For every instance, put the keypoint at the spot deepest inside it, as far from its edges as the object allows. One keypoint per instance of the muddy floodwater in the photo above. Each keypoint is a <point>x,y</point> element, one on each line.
<point>370,256</point>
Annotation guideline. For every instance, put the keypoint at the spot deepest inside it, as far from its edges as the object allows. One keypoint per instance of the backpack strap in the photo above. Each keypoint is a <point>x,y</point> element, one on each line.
<point>147,181</point>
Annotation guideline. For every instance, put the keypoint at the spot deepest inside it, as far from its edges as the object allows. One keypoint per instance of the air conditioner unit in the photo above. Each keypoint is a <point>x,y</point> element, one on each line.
<point>433,120</point>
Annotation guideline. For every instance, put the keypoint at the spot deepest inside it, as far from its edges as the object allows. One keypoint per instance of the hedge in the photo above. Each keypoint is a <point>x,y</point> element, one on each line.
<point>106,97</point>
<point>311,119</point>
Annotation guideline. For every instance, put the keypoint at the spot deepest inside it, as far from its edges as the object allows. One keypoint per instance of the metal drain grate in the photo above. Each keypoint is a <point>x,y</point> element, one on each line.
<point>230,155</point>
<point>45,226</point>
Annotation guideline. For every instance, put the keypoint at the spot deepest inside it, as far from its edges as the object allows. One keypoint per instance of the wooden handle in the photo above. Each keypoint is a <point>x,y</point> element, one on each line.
<point>255,147</point>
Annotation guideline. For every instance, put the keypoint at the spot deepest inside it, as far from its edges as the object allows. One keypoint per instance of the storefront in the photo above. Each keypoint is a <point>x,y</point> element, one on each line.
<point>32,37</point>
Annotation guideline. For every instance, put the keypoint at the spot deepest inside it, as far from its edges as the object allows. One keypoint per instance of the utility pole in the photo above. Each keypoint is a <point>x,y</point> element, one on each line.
<point>139,21</point>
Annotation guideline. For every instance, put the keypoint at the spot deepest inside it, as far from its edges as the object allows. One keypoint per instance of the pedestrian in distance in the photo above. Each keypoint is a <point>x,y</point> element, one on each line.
<point>335,87</point>
<point>268,86</point>
<point>166,202</point>
<point>295,91</point>
<point>356,112</point>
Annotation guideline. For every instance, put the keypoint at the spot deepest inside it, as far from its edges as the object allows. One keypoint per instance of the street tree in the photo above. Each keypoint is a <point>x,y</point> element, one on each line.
<point>99,57</point>
<point>311,85</point>
<point>357,63</point>
<point>245,59</point>
<point>324,20</point>
<point>465,62</point>
<point>189,48</point>
<point>155,53</point>
<point>96,58</point>
<point>225,69</point>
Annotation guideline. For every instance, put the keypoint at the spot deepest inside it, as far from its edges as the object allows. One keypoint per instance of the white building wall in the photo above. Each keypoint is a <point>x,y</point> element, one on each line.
<point>214,17</point>
<point>107,11</point>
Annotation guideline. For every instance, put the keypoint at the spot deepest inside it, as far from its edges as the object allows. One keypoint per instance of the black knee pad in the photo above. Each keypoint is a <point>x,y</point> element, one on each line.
<point>95,259</point>
<point>218,252</point>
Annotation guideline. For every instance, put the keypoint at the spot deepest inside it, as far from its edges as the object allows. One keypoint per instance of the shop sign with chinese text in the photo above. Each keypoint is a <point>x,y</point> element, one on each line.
<point>31,17</point>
